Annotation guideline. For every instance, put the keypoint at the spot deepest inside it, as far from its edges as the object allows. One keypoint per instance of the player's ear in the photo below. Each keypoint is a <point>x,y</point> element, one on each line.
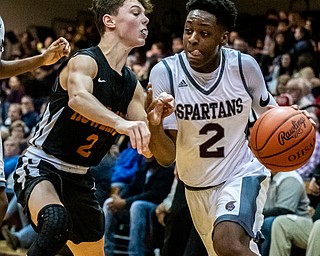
<point>108,21</point>
<point>224,38</point>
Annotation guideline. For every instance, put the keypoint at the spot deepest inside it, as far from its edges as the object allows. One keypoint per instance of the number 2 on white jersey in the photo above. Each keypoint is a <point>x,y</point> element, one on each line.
<point>204,148</point>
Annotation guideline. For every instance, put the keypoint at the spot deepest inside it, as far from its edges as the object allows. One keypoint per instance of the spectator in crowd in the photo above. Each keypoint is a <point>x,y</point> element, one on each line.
<point>281,66</point>
<point>282,83</point>
<point>151,184</point>
<point>102,172</point>
<point>39,85</point>
<point>286,195</point>
<point>240,44</point>
<point>305,73</point>
<point>315,90</point>
<point>14,114</point>
<point>28,44</point>
<point>18,129</point>
<point>282,44</point>
<point>256,50</point>
<point>176,44</point>
<point>300,91</point>
<point>17,237</point>
<point>301,231</point>
<point>125,168</point>
<point>11,153</point>
<point>306,171</point>
<point>157,49</point>
<point>14,91</point>
<point>268,45</point>
<point>271,14</point>
<point>151,57</point>
<point>284,99</point>
<point>302,43</point>
<point>295,20</point>
<point>29,115</point>
<point>232,36</point>
<point>283,25</point>
<point>180,235</point>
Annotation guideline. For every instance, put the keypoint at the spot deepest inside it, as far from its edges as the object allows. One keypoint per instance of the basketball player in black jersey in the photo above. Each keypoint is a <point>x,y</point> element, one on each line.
<point>94,98</point>
<point>55,51</point>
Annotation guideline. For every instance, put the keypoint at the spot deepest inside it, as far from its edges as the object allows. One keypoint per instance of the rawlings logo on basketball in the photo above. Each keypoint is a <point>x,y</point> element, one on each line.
<point>294,132</point>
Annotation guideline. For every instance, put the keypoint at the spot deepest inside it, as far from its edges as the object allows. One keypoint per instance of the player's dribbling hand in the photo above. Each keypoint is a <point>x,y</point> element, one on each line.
<point>296,107</point>
<point>56,51</point>
<point>306,113</point>
<point>158,108</point>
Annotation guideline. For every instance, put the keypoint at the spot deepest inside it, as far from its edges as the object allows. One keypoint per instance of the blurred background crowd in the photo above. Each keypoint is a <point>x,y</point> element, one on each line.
<point>286,44</point>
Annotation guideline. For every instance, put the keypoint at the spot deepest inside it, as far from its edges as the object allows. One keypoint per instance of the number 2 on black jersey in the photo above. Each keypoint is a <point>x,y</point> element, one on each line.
<point>84,150</point>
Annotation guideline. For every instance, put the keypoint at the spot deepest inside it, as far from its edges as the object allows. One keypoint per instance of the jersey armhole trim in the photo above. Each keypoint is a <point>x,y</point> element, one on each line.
<point>242,75</point>
<point>165,63</point>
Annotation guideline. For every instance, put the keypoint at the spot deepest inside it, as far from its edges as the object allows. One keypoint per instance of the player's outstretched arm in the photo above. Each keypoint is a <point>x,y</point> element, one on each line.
<point>53,53</point>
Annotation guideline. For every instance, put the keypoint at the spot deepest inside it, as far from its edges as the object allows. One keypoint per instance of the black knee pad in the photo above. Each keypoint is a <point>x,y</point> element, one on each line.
<point>54,226</point>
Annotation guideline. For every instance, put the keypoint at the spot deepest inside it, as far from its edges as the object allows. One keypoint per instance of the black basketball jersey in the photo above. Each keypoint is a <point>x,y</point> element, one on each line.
<point>72,138</point>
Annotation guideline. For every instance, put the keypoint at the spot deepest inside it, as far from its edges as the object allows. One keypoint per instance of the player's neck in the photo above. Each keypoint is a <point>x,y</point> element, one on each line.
<point>115,54</point>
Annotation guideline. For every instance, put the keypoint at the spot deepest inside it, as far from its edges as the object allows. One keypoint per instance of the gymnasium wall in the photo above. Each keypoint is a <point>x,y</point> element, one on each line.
<point>18,14</point>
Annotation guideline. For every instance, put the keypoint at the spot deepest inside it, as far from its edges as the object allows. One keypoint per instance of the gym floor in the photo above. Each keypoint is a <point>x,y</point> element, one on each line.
<point>6,251</point>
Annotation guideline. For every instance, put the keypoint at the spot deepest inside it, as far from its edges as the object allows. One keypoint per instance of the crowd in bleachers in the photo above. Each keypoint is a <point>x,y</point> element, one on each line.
<point>288,54</point>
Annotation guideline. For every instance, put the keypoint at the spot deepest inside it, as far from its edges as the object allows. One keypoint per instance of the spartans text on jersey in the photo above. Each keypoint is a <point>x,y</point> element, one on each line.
<point>206,111</point>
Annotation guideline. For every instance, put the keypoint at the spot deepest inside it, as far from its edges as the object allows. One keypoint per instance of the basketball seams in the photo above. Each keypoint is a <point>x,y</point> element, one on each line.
<point>294,166</point>
<point>256,127</point>
<point>259,124</point>
<point>292,146</point>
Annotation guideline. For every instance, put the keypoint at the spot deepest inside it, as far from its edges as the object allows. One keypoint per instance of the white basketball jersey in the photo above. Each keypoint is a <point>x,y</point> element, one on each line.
<point>211,118</point>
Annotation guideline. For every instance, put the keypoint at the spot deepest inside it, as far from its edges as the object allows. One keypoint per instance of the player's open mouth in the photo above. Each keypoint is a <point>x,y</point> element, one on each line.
<point>144,32</point>
<point>195,53</point>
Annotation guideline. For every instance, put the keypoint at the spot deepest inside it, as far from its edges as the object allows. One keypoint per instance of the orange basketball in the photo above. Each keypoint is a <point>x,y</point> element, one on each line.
<point>282,139</point>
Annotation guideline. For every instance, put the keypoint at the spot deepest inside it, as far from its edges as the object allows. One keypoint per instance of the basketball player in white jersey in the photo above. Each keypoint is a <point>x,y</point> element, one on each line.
<point>55,51</point>
<point>214,89</point>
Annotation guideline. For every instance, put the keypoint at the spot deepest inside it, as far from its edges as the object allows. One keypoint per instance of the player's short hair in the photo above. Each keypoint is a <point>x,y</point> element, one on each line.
<point>101,7</point>
<point>224,10</point>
